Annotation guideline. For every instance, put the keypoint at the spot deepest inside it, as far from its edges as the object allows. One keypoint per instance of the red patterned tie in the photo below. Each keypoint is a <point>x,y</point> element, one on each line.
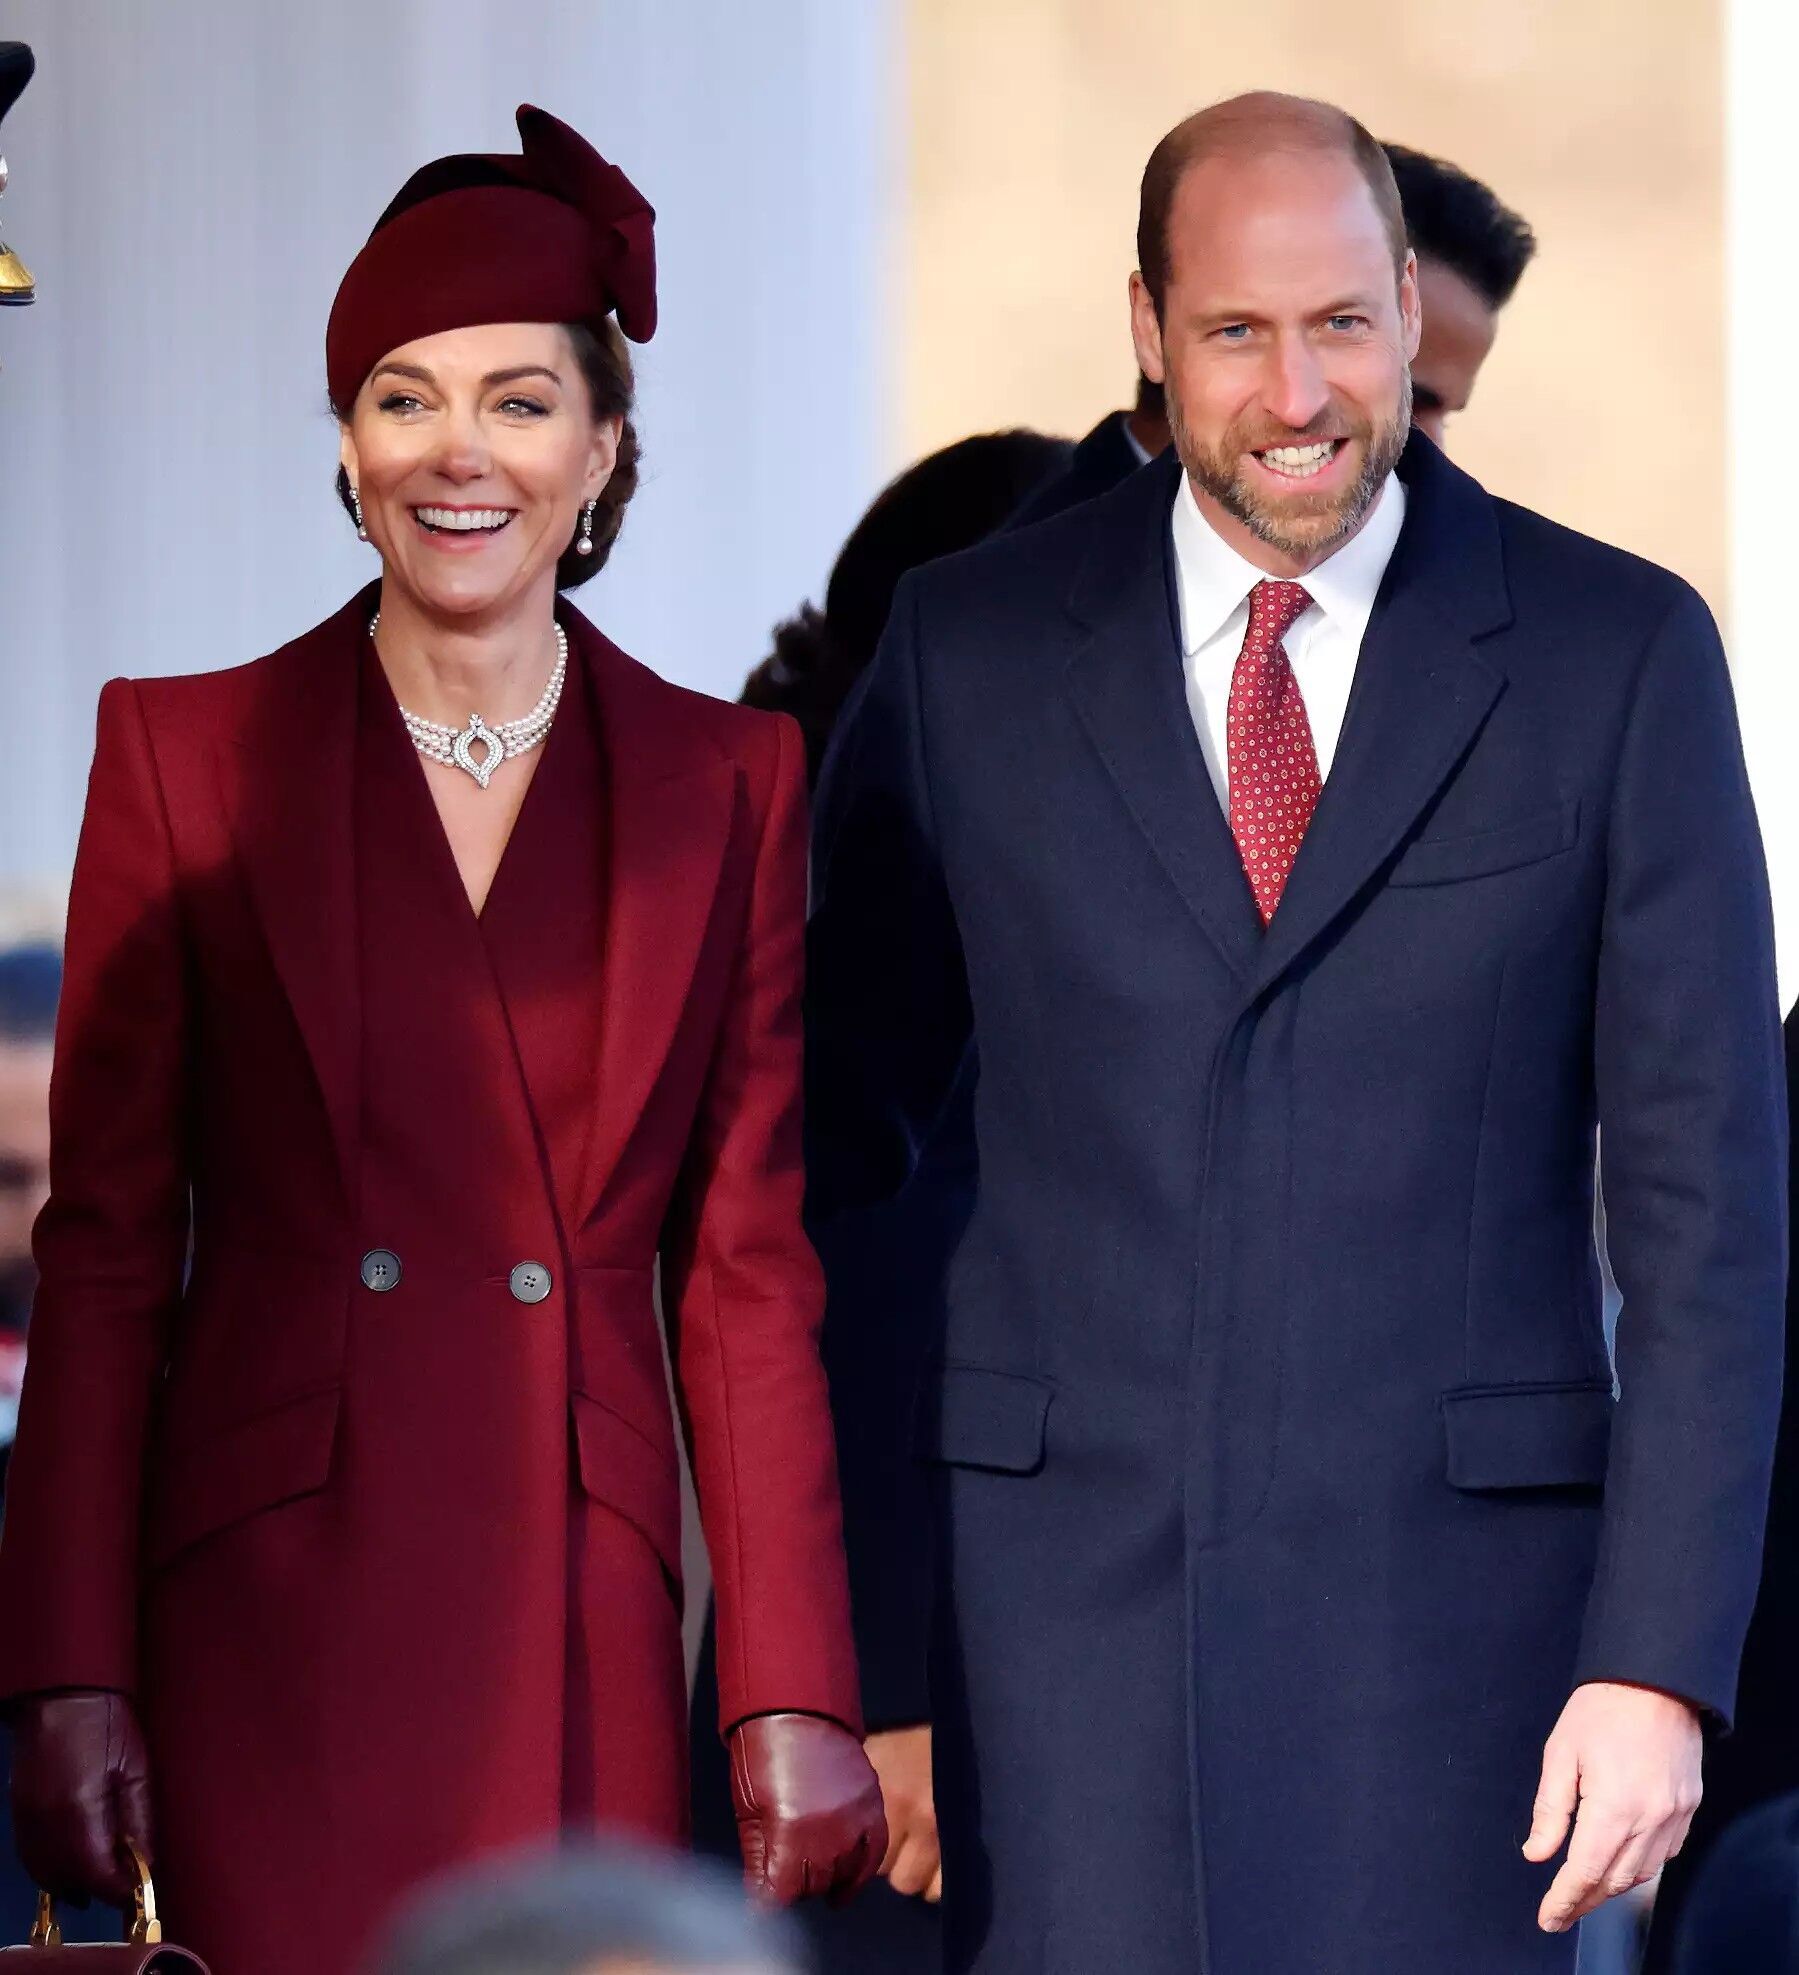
<point>1273,767</point>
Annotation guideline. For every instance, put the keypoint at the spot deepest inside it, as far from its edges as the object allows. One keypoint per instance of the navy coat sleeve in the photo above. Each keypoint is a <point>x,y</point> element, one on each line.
<point>1692,1133</point>
<point>887,1056</point>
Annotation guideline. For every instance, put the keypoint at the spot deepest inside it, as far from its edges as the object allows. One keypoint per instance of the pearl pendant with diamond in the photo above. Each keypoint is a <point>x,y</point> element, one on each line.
<point>454,748</point>
<point>478,733</point>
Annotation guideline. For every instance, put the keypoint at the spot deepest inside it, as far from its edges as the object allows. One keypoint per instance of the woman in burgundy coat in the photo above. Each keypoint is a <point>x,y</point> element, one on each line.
<point>434,981</point>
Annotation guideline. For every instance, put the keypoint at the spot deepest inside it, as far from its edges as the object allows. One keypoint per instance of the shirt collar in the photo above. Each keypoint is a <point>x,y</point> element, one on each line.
<point>1212,580</point>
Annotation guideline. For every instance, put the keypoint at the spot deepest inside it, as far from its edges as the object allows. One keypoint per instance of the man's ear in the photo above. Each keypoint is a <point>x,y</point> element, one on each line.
<point>1411,312</point>
<point>1146,331</point>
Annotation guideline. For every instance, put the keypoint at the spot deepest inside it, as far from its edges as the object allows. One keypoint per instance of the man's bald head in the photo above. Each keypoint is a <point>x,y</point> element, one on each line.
<point>1261,124</point>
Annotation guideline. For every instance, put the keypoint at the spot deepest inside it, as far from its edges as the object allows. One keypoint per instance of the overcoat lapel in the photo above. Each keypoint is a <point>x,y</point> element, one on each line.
<point>287,788</point>
<point>1422,692</point>
<point>670,804</point>
<point>1128,687</point>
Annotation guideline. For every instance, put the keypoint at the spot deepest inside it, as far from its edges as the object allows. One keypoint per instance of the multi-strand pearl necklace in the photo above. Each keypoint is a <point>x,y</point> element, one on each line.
<point>454,746</point>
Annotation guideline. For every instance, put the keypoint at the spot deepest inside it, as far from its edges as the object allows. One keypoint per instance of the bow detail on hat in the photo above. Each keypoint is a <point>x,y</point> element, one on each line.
<point>560,161</point>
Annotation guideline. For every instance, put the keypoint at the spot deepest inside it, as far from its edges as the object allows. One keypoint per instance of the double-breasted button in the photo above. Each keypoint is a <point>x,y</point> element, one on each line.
<point>530,1282</point>
<point>381,1270</point>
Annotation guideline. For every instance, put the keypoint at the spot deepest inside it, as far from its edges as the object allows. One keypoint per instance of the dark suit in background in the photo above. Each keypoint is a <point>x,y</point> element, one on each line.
<point>1761,1760</point>
<point>1740,1912</point>
<point>1102,459</point>
<point>1271,1410</point>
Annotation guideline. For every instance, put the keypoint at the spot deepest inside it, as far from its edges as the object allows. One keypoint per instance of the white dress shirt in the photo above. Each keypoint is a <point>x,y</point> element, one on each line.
<point>1213,583</point>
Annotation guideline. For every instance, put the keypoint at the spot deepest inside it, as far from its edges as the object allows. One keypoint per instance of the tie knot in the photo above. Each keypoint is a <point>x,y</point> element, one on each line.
<point>1274,608</point>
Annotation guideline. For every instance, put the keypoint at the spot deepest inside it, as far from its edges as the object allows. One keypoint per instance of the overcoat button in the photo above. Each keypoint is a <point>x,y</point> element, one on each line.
<point>381,1270</point>
<point>530,1282</point>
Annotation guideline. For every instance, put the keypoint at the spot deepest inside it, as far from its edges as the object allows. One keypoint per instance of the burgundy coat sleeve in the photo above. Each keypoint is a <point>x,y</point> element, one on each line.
<point>111,1244</point>
<point>745,1298</point>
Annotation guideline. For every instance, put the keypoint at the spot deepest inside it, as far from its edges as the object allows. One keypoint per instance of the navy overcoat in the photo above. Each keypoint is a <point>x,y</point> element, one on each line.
<point>1269,1443</point>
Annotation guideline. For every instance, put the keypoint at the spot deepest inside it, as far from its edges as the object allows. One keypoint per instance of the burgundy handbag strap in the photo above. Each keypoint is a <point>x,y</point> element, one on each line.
<point>108,1958</point>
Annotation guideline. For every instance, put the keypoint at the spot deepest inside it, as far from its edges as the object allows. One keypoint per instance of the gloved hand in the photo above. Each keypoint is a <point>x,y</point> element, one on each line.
<point>80,1785</point>
<point>808,1808</point>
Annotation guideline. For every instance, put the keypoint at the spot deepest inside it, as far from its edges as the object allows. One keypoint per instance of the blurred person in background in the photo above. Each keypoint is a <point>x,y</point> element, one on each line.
<point>440,975</point>
<point>947,501</point>
<point>612,1910</point>
<point>30,981</point>
<point>1472,252</point>
<point>1120,443</point>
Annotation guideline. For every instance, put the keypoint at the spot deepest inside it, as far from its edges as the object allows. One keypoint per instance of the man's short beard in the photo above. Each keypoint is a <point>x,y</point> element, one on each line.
<point>1295,530</point>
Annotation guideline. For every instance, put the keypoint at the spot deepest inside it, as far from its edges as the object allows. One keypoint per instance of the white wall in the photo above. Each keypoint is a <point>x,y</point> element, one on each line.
<point>190,180</point>
<point>1762,57</point>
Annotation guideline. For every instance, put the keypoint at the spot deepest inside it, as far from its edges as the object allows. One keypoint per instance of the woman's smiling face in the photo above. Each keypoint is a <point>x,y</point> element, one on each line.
<point>472,452</point>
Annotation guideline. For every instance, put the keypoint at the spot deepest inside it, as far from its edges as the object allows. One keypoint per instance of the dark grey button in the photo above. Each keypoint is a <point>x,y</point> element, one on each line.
<point>381,1270</point>
<point>530,1282</point>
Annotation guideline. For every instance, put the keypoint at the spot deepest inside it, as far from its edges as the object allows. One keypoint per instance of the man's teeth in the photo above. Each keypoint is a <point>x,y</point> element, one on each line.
<point>1299,462</point>
<point>464,520</point>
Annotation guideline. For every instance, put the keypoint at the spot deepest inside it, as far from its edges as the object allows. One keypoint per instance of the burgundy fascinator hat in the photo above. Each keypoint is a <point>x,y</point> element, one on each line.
<point>554,235</point>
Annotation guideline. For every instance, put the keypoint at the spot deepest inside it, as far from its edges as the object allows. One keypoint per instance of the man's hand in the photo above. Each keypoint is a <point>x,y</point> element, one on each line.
<point>902,1760</point>
<point>1629,1758</point>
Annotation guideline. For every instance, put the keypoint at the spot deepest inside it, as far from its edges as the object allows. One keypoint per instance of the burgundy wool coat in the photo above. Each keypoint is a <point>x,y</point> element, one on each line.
<point>389,1554</point>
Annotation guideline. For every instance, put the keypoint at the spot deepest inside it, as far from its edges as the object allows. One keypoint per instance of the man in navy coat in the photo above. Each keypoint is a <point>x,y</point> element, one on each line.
<point>1319,852</point>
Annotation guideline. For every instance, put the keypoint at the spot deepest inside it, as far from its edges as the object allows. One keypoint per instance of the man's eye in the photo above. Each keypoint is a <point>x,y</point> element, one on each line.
<point>1235,332</point>
<point>1346,322</point>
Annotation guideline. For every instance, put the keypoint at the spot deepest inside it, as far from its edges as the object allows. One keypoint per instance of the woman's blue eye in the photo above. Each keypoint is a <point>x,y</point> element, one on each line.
<point>531,406</point>
<point>398,401</point>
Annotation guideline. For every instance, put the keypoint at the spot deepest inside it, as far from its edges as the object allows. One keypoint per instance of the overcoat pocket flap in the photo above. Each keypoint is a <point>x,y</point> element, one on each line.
<point>1528,1436</point>
<point>630,1475</point>
<point>969,1416</point>
<point>207,1481</point>
<point>1444,860</point>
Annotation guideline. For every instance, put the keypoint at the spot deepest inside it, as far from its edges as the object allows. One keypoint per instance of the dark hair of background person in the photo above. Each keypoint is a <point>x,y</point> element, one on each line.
<point>1293,124</point>
<point>1152,398</point>
<point>950,500</point>
<point>30,983</point>
<point>570,1912</point>
<point>1452,217</point>
<point>606,368</point>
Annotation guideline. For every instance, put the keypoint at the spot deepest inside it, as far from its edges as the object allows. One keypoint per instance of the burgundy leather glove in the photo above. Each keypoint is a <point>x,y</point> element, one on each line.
<point>808,1807</point>
<point>80,1785</point>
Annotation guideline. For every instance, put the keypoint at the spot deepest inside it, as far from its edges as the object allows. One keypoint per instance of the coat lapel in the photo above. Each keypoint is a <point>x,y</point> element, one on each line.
<point>1128,686</point>
<point>287,787</point>
<point>669,809</point>
<point>1422,692</point>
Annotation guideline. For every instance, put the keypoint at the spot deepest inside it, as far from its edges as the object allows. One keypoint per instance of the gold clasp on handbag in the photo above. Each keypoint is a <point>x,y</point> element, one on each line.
<point>146,1929</point>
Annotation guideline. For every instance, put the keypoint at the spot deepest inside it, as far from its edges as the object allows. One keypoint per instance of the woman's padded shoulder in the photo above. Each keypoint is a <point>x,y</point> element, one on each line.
<point>764,745</point>
<point>203,697</point>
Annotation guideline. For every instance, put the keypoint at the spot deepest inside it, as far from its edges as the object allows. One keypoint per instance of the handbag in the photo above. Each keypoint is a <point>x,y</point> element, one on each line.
<point>142,1952</point>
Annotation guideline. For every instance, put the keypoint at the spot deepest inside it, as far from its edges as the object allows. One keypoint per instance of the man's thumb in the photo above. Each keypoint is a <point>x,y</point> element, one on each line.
<point>1557,1795</point>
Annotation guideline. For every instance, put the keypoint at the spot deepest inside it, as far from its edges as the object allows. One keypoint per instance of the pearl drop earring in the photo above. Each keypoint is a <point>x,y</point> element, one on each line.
<point>362,533</point>
<point>584,541</point>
